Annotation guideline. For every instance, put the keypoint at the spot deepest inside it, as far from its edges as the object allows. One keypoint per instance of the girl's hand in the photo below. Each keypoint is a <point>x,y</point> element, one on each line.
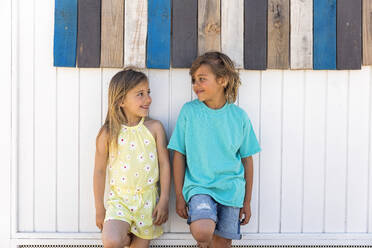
<point>100,218</point>
<point>160,213</point>
<point>246,211</point>
<point>181,207</point>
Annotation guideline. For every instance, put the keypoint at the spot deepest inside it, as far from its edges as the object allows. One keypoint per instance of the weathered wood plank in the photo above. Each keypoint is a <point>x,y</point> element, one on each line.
<point>301,34</point>
<point>324,35</point>
<point>135,33</point>
<point>65,33</point>
<point>184,33</point>
<point>209,26</point>
<point>255,34</point>
<point>89,33</point>
<point>159,31</point>
<point>278,34</point>
<point>367,32</point>
<point>112,33</point>
<point>349,34</point>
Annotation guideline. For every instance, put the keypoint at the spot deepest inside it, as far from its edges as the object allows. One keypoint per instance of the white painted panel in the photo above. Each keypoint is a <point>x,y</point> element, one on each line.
<point>292,151</point>
<point>249,100</point>
<point>314,150</point>
<point>271,158</point>
<point>67,149</point>
<point>358,141</point>
<point>45,119</point>
<point>180,93</point>
<point>26,117</point>
<point>232,30</point>
<point>90,123</point>
<point>336,151</point>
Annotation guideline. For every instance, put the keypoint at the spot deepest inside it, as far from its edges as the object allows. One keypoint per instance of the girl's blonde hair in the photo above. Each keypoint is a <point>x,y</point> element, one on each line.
<point>222,66</point>
<point>120,84</point>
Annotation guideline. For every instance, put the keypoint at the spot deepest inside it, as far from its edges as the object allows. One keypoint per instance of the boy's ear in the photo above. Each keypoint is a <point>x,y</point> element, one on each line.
<point>223,81</point>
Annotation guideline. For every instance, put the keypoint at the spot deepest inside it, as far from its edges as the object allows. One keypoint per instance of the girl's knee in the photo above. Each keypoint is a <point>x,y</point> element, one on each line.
<point>116,241</point>
<point>219,242</point>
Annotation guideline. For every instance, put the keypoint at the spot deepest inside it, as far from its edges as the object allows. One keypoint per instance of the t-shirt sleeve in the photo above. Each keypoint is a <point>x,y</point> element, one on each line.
<point>177,140</point>
<point>250,143</point>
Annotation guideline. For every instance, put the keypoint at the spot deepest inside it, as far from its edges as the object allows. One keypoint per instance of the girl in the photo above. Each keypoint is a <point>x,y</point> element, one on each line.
<point>130,147</point>
<point>213,144</point>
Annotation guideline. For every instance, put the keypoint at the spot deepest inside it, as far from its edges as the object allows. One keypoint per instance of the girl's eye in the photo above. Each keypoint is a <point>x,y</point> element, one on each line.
<point>193,81</point>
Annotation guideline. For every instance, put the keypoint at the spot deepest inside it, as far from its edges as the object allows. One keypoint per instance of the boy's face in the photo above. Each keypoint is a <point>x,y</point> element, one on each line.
<point>137,101</point>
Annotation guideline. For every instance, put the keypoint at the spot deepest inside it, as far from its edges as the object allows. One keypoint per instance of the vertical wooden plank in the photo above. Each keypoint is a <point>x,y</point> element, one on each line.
<point>65,33</point>
<point>135,33</point>
<point>367,32</point>
<point>271,158</point>
<point>336,152</point>
<point>349,34</point>
<point>67,150</point>
<point>278,34</point>
<point>159,30</point>
<point>292,151</point>
<point>209,26</point>
<point>255,34</point>
<point>180,93</point>
<point>184,33</point>
<point>324,34</point>
<point>112,31</point>
<point>232,22</point>
<point>249,100</point>
<point>90,123</point>
<point>45,121</point>
<point>25,179</point>
<point>301,34</point>
<point>358,157</point>
<point>314,151</point>
<point>89,33</point>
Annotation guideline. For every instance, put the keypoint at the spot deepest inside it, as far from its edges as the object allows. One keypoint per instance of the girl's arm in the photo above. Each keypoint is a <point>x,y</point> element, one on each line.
<point>179,175</point>
<point>99,177</point>
<point>248,175</point>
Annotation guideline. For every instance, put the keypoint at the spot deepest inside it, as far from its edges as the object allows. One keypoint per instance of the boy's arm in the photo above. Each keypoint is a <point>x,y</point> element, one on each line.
<point>99,177</point>
<point>179,175</point>
<point>248,175</point>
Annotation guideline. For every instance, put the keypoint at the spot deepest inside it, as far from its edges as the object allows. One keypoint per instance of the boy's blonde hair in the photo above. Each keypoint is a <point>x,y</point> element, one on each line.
<point>120,84</point>
<point>222,66</point>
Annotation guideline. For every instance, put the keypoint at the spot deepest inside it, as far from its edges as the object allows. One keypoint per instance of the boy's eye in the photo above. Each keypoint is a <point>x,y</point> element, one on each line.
<point>140,94</point>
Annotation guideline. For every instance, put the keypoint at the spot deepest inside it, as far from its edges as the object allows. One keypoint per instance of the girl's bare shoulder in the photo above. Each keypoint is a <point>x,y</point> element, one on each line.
<point>154,126</point>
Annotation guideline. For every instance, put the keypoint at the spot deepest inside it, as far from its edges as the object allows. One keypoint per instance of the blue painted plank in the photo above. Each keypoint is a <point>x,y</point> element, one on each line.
<point>158,36</point>
<point>65,33</point>
<point>325,34</point>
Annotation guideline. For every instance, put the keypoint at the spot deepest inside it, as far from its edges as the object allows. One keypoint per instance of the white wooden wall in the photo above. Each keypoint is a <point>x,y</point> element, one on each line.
<point>312,178</point>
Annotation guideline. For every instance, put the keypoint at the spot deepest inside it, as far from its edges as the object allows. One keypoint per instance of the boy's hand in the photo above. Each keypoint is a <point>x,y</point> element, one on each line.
<point>160,213</point>
<point>181,207</point>
<point>246,211</point>
<point>100,218</point>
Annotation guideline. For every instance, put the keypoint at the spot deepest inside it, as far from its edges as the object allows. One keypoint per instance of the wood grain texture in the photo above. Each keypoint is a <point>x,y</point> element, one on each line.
<point>65,33</point>
<point>89,33</point>
<point>184,33</point>
<point>232,30</point>
<point>349,34</point>
<point>278,34</point>
<point>324,35</point>
<point>367,32</point>
<point>112,33</point>
<point>301,34</point>
<point>255,34</point>
<point>159,31</point>
<point>209,26</point>
<point>135,33</point>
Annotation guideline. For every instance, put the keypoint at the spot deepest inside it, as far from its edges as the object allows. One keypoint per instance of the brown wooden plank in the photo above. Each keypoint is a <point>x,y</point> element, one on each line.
<point>112,33</point>
<point>89,33</point>
<point>367,32</point>
<point>209,26</point>
<point>349,34</point>
<point>278,34</point>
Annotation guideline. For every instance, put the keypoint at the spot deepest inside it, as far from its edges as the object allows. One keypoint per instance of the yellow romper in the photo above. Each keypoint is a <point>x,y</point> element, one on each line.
<point>133,177</point>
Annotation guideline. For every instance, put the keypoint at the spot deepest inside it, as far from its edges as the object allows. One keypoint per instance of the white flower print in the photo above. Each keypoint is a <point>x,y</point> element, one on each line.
<point>135,198</point>
<point>140,223</point>
<point>151,156</point>
<point>120,213</point>
<point>142,216</point>
<point>123,179</point>
<point>141,157</point>
<point>126,199</point>
<point>111,193</point>
<point>124,166</point>
<point>146,231</point>
<point>147,168</point>
<point>150,180</point>
<point>134,228</point>
<point>122,140</point>
<point>147,204</point>
<point>138,189</point>
<point>146,141</point>
<point>110,167</point>
<point>112,181</point>
<point>119,206</point>
<point>136,174</point>
<point>124,129</point>
<point>132,209</point>
<point>132,146</point>
<point>128,157</point>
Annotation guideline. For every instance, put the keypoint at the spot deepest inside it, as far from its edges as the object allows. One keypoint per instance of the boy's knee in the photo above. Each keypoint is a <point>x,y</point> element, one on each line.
<point>202,234</point>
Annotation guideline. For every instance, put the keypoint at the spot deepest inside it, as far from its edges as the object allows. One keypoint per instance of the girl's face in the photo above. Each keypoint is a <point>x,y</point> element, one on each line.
<point>137,101</point>
<point>206,86</point>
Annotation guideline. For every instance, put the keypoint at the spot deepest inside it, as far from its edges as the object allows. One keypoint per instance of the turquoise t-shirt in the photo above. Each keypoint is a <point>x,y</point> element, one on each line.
<point>214,141</point>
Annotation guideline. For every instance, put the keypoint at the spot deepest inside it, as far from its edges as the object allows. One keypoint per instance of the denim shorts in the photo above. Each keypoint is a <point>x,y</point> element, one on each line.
<point>226,217</point>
